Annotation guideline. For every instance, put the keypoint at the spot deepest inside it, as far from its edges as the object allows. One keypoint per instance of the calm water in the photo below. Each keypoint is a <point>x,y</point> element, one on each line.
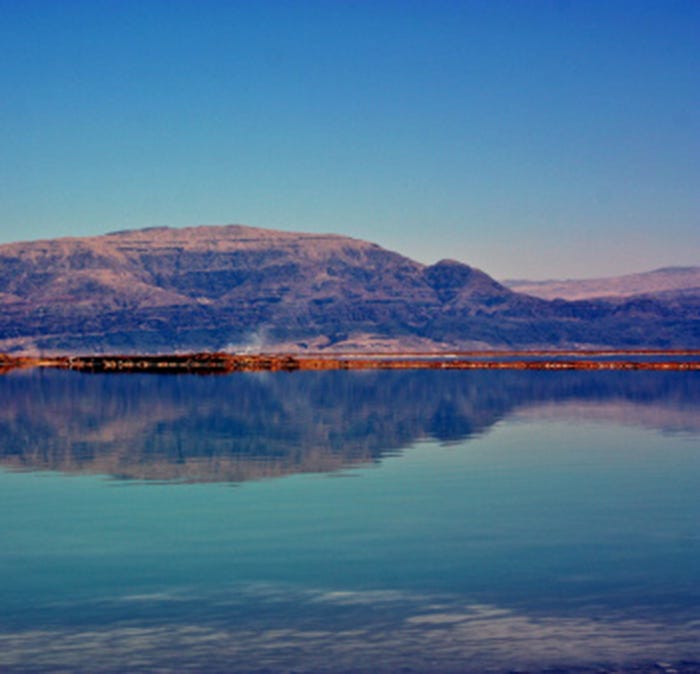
<point>349,521</point>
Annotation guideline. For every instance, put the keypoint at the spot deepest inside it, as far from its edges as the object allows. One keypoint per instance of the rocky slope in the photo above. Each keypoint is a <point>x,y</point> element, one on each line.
<point>237,288</point>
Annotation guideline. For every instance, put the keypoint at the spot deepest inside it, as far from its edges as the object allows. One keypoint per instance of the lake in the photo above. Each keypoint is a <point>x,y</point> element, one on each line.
<point>356,521</point>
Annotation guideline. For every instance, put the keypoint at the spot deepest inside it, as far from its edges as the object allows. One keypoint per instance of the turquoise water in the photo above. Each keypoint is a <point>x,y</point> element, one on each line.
<point>349,521</point>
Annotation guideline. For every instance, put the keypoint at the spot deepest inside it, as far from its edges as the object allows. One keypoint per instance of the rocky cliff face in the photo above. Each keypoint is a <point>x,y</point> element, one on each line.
<point>234,287</point>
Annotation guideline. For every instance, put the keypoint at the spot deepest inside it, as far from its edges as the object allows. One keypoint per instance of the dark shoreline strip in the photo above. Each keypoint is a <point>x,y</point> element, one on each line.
<point>223,363</point>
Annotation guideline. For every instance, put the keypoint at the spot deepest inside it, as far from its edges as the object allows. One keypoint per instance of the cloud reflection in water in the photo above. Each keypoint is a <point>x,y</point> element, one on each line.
<point>397,630</point>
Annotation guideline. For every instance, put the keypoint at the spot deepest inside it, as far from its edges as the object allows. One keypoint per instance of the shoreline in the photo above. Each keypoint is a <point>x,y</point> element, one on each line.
<point>225,363</point>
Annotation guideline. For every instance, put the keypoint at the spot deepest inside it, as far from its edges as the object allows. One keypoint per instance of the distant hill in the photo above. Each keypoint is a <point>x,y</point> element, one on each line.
<point>237,288</point>
<point>680,281</point>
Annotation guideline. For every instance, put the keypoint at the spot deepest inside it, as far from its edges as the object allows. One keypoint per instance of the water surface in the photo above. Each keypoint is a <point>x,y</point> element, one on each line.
<point>349,521</point>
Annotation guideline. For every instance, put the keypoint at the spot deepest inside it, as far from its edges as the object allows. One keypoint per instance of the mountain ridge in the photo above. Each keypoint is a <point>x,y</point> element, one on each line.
<point>234,287</point>
<point>681,279</point>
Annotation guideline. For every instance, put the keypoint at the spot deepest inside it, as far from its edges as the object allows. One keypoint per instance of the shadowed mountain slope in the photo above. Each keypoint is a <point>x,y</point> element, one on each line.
<point>235,287</point>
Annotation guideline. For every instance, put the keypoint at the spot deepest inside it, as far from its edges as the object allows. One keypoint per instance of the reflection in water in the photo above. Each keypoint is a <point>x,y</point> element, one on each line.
<point>548,521</point>
<point>371,632</point>
<point>250,426</point>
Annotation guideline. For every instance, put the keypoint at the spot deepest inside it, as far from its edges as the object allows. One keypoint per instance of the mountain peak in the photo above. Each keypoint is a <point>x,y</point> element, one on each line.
<point>451,279</point>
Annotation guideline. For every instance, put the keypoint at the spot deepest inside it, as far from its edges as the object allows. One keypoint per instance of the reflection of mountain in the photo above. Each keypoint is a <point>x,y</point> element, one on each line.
<point>248,426</point>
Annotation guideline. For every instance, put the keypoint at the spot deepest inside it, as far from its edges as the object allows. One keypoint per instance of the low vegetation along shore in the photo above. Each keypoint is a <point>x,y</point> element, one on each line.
<point>207,363</point>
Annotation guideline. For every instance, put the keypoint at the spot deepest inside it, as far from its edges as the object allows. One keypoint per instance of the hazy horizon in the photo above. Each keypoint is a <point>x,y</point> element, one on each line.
<point>537,140</point>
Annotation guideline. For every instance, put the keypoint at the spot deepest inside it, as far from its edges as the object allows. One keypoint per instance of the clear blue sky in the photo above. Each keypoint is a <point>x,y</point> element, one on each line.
<point>531,139</point>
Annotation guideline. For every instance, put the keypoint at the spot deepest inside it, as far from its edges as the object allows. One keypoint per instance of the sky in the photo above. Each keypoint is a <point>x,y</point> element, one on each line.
<point>531,139</point>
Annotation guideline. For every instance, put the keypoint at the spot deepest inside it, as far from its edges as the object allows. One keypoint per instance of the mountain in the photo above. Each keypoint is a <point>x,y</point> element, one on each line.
<point>236,288</point>
<point>667,282</point>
